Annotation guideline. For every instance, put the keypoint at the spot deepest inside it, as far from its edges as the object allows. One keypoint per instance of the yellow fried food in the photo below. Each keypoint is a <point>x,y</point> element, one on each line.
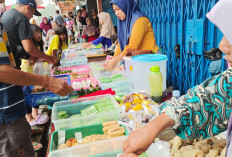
<point>118,131</point>
<point>105,129</point>
<point>105,124</point>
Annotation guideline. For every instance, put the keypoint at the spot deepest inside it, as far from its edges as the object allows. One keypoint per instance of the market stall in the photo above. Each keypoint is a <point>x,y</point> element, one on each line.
<point>96,118</point>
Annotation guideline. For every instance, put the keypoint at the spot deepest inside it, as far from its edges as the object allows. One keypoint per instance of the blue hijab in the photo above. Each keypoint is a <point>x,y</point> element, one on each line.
<point>132,11</point>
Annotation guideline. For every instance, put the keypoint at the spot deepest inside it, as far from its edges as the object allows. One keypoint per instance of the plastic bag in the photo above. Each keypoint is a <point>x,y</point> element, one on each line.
<point>159,149</point>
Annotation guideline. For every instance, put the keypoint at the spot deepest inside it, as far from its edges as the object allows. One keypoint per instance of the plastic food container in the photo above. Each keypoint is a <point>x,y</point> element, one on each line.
<point>104,148</point>
<point>45,98</point>
<point>141,70</point>
<point>70,133</point>
<point>74,62</point>
<point>74,107</point>
<point>94,83</point>
<point>75,69</point>
<point>116,84</point>
<point>98,67</point>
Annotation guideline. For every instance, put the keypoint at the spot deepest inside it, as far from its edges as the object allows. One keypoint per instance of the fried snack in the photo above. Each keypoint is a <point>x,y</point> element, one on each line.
<point>105,129</point>
<point>213,153</point>
<point>70,142</point>
<point>93,138</point>
<point>194,153</point>
<point>109,123</point>
<point>118,131</point>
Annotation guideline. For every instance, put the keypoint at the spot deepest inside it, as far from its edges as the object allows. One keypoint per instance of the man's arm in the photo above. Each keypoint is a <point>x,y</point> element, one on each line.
<point>10,75</point>
<point>30,48</point>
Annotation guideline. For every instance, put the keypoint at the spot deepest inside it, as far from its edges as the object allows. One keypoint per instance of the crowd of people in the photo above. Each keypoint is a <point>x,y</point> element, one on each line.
<point>23,44</point>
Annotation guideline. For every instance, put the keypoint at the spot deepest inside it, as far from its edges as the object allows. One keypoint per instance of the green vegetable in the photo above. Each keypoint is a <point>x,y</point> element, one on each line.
<point>62,115</point>
<point>60,72</point>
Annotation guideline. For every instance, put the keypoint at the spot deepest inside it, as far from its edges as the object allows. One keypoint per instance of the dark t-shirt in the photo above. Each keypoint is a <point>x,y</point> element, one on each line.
<point>95,21</point>
<point>18,28</point>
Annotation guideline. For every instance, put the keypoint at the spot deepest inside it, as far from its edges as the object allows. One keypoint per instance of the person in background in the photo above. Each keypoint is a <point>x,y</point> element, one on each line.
<point>58,18</point>
<point>90,32</point>
<point>51,19</point>
<point>95,19</point>
<point>32,115</point>
<point>58,43</point>
<point>16,23</point>
<point>15,139</point>
<point>205,110</point>
<point>84,13</point>
<point>135,31</point>
<point>80,18</point>
<point>65,19</point>
<point>51,32</point>
<point>70,15</point>
<point>45,26</point>
<point>107,29</point>
<point>70,28</point>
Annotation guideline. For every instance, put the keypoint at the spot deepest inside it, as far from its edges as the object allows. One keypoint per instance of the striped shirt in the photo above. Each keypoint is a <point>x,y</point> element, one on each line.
<point>12,105</point>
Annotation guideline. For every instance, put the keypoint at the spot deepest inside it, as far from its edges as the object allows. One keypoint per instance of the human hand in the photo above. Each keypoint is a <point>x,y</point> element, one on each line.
<point>32,61</point>
<point>110,65</point>
<point>57,86</point>
<point>51,59</point>
<point>138,141</point>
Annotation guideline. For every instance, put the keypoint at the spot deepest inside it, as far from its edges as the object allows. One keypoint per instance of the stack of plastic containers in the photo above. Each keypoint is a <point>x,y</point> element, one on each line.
<point>85,111</point>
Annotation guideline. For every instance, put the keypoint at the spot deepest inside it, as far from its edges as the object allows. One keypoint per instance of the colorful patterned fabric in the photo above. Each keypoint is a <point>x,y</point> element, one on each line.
<point>205,109</point>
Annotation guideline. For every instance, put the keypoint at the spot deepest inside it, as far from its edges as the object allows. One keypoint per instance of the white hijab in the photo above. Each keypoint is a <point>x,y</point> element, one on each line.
<point>221,16</point>
<point>107,28</point>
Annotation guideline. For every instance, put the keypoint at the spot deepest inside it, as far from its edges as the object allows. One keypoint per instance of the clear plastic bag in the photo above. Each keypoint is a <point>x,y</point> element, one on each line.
<point>159,149</point>
<point>42,68</point>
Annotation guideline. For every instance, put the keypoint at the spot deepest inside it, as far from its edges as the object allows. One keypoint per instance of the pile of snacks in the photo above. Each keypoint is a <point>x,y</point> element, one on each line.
<point>138,109</point>
<point>111,129</point>
<point>61,72</point>
<point>212,147</point>
<point>76,76</point>
<point>82,92</point>
<point>83,84</point>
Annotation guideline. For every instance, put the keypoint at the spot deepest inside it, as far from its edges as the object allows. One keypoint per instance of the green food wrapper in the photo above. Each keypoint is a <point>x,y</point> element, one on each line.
<point>62,115</point>
<point>89,110</point>
<point>105,80</point>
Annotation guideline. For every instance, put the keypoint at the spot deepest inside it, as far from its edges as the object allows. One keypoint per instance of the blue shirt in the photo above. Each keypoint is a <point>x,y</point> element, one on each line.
<point>102,40</point>
<point>12,105</point>
<point>59,19</point>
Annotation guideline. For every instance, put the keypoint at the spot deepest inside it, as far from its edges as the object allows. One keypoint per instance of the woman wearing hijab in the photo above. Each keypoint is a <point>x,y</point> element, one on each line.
<point>45,25</point>
<point>107,29</point>
<point>205,110</point>
<point>90,31</point>
<point>134,31</point>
